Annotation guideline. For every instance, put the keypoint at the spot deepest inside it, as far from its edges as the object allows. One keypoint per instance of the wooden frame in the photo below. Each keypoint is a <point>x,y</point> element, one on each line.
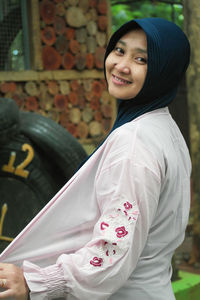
<point>37,72</point>
<point>49,75</point>
<point>35,44</point>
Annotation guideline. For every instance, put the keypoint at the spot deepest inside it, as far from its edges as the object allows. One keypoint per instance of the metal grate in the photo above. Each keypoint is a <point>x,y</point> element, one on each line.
<point>11,36</point>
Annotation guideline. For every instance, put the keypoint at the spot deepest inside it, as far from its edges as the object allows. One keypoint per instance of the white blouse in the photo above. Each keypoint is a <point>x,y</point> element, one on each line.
<point>110,233</point>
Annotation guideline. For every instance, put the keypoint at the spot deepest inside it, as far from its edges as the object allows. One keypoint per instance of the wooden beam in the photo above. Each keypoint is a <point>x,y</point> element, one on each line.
<point>50,75</point>
<point>109,16</point>
<point>129,2</point>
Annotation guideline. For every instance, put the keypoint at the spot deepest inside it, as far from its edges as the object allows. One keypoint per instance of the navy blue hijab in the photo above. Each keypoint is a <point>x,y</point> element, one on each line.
<point>168,58</point>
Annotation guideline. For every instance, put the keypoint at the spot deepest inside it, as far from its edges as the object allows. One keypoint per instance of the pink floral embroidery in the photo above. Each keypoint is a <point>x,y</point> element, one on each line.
<point>128,205</point>
<point>104,225</point>
<point>121,231</point>
<point>96,261</point>
<point>108,248</point>
<point>115,229</point>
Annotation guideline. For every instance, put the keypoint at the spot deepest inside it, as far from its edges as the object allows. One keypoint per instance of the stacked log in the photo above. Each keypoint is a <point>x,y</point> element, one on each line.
<point>73,37</point>
<point>73,34</point>
<point>82,106</point>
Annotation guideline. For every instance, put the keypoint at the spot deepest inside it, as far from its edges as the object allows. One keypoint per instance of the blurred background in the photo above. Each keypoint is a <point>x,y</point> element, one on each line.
<point>55,108</point>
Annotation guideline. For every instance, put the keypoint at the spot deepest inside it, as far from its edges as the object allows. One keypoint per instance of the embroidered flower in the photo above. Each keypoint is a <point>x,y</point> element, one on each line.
<point>115,229</point>
<point>128,205</point>
<point>104,225</point>
<point>121,231</point>
<point>96,261</point>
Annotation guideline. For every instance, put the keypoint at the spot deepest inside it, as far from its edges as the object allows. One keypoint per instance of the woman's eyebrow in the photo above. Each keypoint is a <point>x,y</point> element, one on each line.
<point>141,50</point>
<point>121,42</point>
<point>136,49</point>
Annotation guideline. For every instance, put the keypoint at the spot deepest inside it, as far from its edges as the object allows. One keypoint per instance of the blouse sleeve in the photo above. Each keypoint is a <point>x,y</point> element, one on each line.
<point>127,195</point>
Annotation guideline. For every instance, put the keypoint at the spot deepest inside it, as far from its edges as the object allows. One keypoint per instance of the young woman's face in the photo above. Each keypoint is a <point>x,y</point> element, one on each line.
<point>126,65</point>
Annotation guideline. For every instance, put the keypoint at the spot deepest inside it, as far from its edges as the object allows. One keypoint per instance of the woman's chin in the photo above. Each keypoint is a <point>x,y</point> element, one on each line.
<point>120,95</point>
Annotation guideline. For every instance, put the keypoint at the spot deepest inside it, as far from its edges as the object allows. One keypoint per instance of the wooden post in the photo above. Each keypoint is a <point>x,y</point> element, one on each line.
<point>192,27</point>
<point>36,40</point>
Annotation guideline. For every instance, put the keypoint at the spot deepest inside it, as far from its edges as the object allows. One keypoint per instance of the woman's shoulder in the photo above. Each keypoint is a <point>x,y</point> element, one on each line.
<point>144,128</point>
<point>135,144</point>
<point>142,140</point>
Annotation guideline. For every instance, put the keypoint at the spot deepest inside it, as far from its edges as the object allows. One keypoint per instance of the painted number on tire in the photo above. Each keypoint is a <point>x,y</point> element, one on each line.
<point>3,214</point>
<point>20,169</point>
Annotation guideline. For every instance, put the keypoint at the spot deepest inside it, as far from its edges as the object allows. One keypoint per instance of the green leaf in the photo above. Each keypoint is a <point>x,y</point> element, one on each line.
<point>122,13</point>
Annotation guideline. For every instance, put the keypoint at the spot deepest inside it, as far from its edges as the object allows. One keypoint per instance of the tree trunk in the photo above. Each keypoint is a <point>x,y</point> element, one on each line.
<point>192,26</point>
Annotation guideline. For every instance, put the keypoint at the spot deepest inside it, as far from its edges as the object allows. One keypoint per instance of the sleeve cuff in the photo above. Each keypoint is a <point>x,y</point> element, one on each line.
<point>45,283</point>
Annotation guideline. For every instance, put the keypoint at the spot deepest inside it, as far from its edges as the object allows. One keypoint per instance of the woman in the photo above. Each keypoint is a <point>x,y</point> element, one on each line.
<point>127,207</point>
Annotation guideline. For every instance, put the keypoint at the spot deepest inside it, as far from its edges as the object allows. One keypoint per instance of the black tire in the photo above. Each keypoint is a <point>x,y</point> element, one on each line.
<point>56,155</point>
<point>24,195</point>
<point>9,119</point>
<point>58,144</point>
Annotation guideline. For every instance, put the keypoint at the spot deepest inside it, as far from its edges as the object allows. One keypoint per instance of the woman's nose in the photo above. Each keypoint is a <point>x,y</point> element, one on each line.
<point>122,66</point>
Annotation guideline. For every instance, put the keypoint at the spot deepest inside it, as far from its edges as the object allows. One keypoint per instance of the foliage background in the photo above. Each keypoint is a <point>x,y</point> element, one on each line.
<point>124,10</point>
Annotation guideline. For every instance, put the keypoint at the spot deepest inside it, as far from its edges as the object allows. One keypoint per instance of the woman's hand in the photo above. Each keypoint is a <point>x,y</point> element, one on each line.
<point>13,283</point>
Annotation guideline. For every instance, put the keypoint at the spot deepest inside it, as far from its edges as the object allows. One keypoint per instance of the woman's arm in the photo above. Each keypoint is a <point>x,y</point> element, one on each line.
<point>128,196</point>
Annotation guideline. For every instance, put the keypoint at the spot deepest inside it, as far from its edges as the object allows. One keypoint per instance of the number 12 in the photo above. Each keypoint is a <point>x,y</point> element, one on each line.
<point>20,169</point>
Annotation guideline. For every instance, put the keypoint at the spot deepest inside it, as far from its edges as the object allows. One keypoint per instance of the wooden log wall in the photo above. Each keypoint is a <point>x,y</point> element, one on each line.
<point>67,82</point>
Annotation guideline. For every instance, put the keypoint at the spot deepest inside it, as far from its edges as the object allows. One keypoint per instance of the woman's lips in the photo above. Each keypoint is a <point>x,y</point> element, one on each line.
<point>119,80</point>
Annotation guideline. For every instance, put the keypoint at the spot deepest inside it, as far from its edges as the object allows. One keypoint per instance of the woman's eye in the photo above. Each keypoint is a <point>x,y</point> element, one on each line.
<point>119,50</point>
<point>141,60</point>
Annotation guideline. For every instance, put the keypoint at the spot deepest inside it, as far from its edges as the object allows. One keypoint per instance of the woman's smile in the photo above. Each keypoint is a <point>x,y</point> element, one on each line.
<point>120,81</point>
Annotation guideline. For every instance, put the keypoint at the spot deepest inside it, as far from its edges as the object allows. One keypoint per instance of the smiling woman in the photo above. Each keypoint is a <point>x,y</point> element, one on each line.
<point>129,202</point>
<point>126,65</point>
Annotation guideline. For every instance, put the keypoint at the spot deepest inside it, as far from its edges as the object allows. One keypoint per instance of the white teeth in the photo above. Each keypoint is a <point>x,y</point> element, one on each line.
<point>121,80</point>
